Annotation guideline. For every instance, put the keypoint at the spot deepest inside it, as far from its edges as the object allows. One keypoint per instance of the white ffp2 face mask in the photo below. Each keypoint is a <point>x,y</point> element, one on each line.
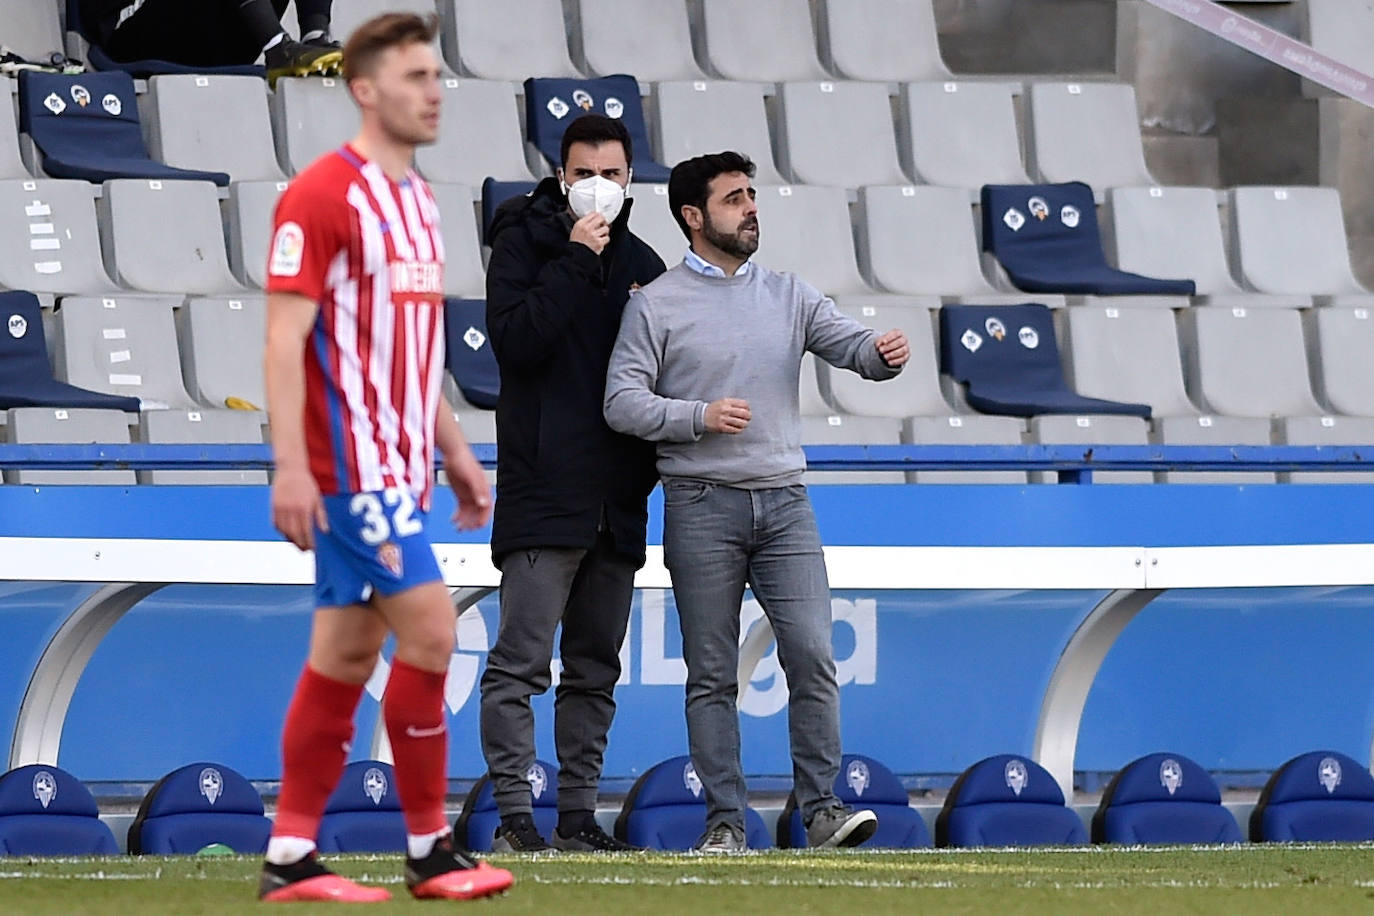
<point>596,194</point>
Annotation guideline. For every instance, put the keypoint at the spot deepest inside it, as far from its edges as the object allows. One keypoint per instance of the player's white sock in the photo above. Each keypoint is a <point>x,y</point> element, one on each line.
<point>284,850</point>
<point>417,847</point>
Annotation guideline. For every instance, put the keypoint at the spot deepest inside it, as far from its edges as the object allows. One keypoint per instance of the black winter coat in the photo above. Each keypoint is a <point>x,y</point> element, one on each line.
<point>553,312</point>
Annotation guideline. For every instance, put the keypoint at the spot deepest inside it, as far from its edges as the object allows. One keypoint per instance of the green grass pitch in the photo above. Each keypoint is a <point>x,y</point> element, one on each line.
<point>1251,880</point>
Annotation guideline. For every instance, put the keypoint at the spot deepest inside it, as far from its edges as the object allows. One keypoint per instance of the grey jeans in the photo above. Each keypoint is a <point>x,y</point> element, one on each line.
<point>715,539</point>
<point>589,592</point>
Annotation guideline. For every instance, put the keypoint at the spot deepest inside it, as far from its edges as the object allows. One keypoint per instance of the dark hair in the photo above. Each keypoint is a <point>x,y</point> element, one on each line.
<point>689,184</point>
<point>389,30</point>
<point>596,129</point>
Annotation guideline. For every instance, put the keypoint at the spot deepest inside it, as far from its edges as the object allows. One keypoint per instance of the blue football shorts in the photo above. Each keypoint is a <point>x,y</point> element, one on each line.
<point>376,543</point>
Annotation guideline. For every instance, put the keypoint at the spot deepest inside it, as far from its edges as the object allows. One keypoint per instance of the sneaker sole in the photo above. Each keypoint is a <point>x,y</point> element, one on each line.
<point>326,888</point>
<point>468,884</point>
<point>503,846</point>
<point>857,829</point>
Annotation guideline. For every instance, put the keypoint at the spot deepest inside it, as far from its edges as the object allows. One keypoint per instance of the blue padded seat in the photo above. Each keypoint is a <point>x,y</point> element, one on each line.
<point>26,379</point>
<point>198,805</point>
<point>476,826</point>
<point>1008,357</point>
<point>494,194</point>
<point>864,783</point>
<point>470,359</point>
<point>1047,240</point>
<point>1163,798</point>
<point>1318,796</point>
<point>142,69</point>
<point>87,128</point>
<point>552,104</point>
<point>364,813</point>
<point>45,811</point>
<point>666,809</point>
<point>1007,800</point>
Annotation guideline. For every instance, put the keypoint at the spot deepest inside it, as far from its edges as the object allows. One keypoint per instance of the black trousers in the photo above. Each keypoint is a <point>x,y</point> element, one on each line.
<point>196,33</point>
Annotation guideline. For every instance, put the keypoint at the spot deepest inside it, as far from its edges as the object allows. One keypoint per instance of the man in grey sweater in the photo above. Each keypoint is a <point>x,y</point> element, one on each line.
<point>707,365</point>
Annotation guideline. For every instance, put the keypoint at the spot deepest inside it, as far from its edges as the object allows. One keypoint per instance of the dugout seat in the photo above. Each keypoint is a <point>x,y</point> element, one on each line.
<point>1007,800</point>
<point>650,38</point>
<point>197,805</point>
<point>494,194</point>
<point>45,811</point>
<point>1320,796</point>
<point>187,255</point>
<point>1163,798</point>
<point>1243,362</point>
<point>364,813</point>
<point>311,116</point>
<point>1008,358</point>
<point>552,104</point>
<point>864,783</point>
<point>1292,241</point>
<point>49,240</point>
<point>666,809</point>
<point>470,359</point>
<point>26,377</point>
<point>125,346</point>
<point>1126,354</point>
<point>476,825</point>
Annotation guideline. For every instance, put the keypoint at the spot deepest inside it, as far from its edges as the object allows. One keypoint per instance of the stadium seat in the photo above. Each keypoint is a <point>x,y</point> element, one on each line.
<point>67,425</point>
<point>1007,801</point>
<point>1046,238</point>
<point>885,41</point>
<point>838,429</point>
<point>1092,430</point>
<point>470,358</point>
<point>310,117</point>
<point>463,271</point>
<point>1291,241</point>
<point>199,805</point>
<point>864,783</point>
<point>45,811</point>
<point>1320,796</point>
<point>26,378</point>
<point>494,194</point>
<point>1008,358</point>
<point>479,136</point>
<point>733,35</point>
<point>478,425</point>
<point>1209,430</point>
<point>219,123</point>
<point>811,115</point>
<point>1339,341</point>
<point>1086,132</point>
<point>143,69</point>
<point>476,826</point>
<point>1126,354</point>
<point>510,40</point>
<point>1163,798</point>
<point>248,220</point>
<point>810,399</point>
<point>364,813</point>
<point>552,104</point>
<point>32,29</point>
<point>55,246</point>
<point>11,164</point>
<point>188,258</point>
<point>650,38</point>
<point>652,220</point>
<point>347,15</point>
<point>221,350</point>
<point>961,430</point>
<point>1328,431</point>
<point>122,346</point>
<point>87,127</point>
<point>1247,362</point>
<point>666,809</point>
<point>200,427</point>
<point>915,392</point>
<point>707,116</point>
<point>961,135</point>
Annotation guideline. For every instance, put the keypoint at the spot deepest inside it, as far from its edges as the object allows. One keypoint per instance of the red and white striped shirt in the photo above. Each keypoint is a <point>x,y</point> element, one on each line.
<point>368,250</point>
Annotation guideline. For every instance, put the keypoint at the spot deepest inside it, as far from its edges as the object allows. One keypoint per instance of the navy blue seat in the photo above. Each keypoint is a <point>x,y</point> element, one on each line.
<point>1007,800</point>
<point>1047,240</point>
<point>87,128</point>
<point>469,356</point>
<point>864,783</point>
<point>142,69</point>
<point>494,194</point>
<point>1318,796</point>
<point>476,826</point>
<point>552,104</point>
<point>1163,798</point>
<point>196,806</point>
<point>45,811</point>
<point>26,379</point>
<point>666,809</point>
<point>364,813</point>
<point>1008,357</point>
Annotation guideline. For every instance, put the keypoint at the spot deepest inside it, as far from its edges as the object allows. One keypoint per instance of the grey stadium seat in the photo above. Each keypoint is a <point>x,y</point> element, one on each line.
<point>810,400</point>
<point>650,38</point>
<point>1208,430</point>
<point>187,257</point>
<point>1126,354</point>
<point>479,136</point>
<point>122,346</point>
<point>509,40</point>
<point>213,123</point>
<point>961,135</point>
<point>1327,431</point>
<point>1339,343</point>
<point>478,426</point>
<point>198,427</point>
<point>49,241</point>
<point>914,392</point>
<point>920,240</point>
<point>221,349</point>
<point>347,15</point>
<point>652,220</point>
<point>841,430</point>
<point>1291,241</point>
<point>31,28</point>
<point>707,116</point>
<point>762,41</point>
<point>463,273</point>
<point>1063,429</point>
<point>32,425</point>
<point>1247,362</point>
<point>249,222</point>
<point>886,41</point>
<point>1087,132</point>
<point>813,114</point>
<point>11,164</point>
<point>311,117</point>
<point>971,430</point>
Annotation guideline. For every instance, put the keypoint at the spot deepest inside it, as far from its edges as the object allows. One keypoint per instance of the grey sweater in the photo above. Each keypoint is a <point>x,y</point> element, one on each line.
<point>687,339</point>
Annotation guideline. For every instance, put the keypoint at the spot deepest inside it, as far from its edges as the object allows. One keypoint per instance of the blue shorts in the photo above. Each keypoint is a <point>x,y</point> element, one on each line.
<point>376,542</point>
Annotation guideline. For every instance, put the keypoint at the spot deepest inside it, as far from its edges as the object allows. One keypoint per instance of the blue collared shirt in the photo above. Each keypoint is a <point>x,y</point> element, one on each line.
<point>707,269</point>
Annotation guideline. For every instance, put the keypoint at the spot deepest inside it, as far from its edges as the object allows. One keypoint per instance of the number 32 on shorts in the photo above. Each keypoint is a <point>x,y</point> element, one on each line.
<point>374,508</point>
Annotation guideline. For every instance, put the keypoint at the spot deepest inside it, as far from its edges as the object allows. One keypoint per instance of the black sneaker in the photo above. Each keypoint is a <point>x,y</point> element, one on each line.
<point>291,58</point>
<point>591,838</point>
<point>520,835</point>
<point>309,880</point>
<point>448,874</point>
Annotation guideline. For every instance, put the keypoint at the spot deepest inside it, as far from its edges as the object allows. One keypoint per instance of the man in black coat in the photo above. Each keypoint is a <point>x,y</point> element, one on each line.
<point>571,506</point>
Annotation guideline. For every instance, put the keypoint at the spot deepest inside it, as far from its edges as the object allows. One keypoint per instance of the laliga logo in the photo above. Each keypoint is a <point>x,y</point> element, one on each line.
<point>691,780</point>
<point>1329,774</point>
<point>766,693</point>
<point>374,785</point>
<point>44,787</point>
<point>857,777</point>
<point>1016,776</point>
<point>538,779</point>
<point>1171,774</point>
<point>463,665</point>
<point>211,784</point>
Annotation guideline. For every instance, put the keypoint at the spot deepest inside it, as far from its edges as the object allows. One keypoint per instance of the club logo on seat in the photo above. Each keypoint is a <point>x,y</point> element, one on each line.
<point>80,95</point>
<point>374,784</point>
<point>1170,774</point>
<point>971,340</point>
<point>558,108</point>
<point>1068,215</point>
<point>1014,219</point>
<point>54,103</point>
<point>538,779</point>
<point>211,784</point>
<point>1038,208</point>
<point>691,780</point>
<point>583,99</point>
<point>1016,776</point>
<point>474,338</point>
<point>1029,337</point>
<point>614,107</point>
<point>18,326</point>
<point>1329,774</point>
<point>112,105</point>
<point>44,787</point>
<point>995,328</point>
<point>856,775</point>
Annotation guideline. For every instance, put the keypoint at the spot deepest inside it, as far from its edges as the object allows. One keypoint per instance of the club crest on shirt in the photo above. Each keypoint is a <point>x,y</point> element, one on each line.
<point>389,555</point>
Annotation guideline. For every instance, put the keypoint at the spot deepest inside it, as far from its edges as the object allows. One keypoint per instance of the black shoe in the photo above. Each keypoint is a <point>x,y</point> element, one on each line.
<point>449,874</point>
<point>309,880</point>
<point>323,41</point>
<point>591,838</point>
<point>518,834</point>
<point>291,58</point>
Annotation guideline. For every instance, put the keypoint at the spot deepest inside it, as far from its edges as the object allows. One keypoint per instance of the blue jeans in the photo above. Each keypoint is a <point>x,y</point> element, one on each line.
<point>715,539</point>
